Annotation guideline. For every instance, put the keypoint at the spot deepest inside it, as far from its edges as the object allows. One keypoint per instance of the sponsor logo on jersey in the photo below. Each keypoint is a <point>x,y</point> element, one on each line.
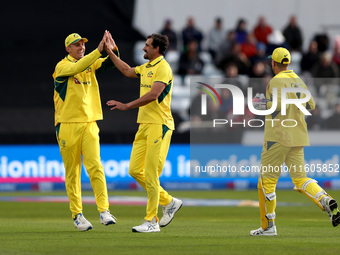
<point>76,81</point>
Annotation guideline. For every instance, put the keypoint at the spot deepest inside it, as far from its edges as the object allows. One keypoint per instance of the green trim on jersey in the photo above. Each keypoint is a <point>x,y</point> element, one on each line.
<point>60,85</point>
<point>270,144</point>
<point>165,129</point>
<point>108,64</point>
<point>149,65</point>
<point>274,114</point>
<point>159,110</point>
<point>165,92</point>
<point>57,129</point>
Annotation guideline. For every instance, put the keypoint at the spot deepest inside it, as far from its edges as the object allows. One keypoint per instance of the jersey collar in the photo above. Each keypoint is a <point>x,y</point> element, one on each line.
<point>155,61</point>
<point>71,59</point>
<point>287,71</point>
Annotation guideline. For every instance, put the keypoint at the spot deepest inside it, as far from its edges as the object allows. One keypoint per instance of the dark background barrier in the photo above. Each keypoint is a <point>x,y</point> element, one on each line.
<point>32,43</point>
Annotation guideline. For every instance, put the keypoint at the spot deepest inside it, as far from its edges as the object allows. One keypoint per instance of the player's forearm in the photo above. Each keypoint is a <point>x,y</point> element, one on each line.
<point>120,64</point>
<point>144,100</point>
<point>75,68</point>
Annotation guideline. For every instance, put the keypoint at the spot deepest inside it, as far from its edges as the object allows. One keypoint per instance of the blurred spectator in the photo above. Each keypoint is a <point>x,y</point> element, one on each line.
<point>324,70</point>
<point>215,38</point>
<point>231,74</point>
<point>310,58</point>
<point>323,42</point>
<point>262,30</point>
<point>293,35</point>
<point>226,45</point>
<point>259,78</point>
<point>315,121</point>
<point>237,57</point>
<point>241,31</point>
<point>258,70</point>
<point>171,34</point>
<point>231,71</point>
<point>249,46</point>
<point>333,122</point>
<point>190,32</point>
<point>275,39</point>
<point>336,51</point>
<point>190,61</point>
<point>196,108</point>
<point>227,103</point>
<point>260,54</point>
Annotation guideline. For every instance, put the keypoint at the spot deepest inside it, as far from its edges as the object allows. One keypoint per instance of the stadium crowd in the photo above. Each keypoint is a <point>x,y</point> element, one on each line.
<point>240,56</point>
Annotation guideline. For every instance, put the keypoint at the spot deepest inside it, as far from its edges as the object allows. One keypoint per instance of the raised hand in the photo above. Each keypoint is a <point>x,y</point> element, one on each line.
<point>101,44</point>
<point>109,42</point>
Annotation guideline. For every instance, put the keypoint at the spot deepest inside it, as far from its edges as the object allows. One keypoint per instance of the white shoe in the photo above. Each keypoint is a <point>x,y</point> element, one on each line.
<point>147,227</point>
<point>106,218</point>
<point>264,232</point>
<point>331,207</point>
<point>169,211</point>
<point>81,223</point>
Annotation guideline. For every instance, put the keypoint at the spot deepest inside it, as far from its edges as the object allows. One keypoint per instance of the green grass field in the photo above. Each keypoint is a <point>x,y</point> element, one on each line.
<point>47,228</point>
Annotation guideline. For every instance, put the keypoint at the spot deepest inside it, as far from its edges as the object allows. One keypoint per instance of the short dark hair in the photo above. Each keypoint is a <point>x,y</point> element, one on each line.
<point>160,41</point>
<point>280,65</point>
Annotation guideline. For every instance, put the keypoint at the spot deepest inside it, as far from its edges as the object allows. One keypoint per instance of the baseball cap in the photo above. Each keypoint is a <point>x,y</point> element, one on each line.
<point>73,38</point>
<point>281,55</point>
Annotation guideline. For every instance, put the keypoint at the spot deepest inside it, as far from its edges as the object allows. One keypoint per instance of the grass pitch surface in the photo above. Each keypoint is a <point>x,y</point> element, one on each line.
<point>47,228</point>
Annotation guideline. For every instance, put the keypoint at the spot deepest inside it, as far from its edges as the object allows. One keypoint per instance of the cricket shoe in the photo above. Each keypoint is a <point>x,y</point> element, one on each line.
<point>264,232</point>
<point>169,211</point>
<point>82,223</point>
<point>331,207</point>
<point>147,227</point>
<point>106,218</point>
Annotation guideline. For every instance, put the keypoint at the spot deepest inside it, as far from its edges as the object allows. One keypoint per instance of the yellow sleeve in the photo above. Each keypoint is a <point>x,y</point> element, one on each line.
<point>310,105</point>
<point>274,83</point>
<point>68,68</point>
<point>163,75</point>
<point>138,70</point>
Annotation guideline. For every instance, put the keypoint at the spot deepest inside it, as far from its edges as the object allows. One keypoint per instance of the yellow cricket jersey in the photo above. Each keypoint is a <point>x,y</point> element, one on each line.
<point>76,91</point>
<point>158,111</point>
<point>275,130</point>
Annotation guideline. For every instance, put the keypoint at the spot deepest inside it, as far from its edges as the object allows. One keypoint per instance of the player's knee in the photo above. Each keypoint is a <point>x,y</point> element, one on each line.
<point>133,172</point>
<point>270,196</point>
<point>152,187</point>
<point>302,183</point>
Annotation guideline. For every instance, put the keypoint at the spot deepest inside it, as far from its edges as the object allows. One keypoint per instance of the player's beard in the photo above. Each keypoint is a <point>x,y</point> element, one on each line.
<point>146,56</point>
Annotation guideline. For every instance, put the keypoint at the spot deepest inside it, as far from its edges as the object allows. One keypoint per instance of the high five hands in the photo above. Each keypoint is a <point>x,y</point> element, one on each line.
<point>107,42</point>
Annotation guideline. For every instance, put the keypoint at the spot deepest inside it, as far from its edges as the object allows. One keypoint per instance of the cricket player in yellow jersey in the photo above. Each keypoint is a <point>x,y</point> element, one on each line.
<point>152,141</point>
<point>77,108</point>
<point>284,144</point>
